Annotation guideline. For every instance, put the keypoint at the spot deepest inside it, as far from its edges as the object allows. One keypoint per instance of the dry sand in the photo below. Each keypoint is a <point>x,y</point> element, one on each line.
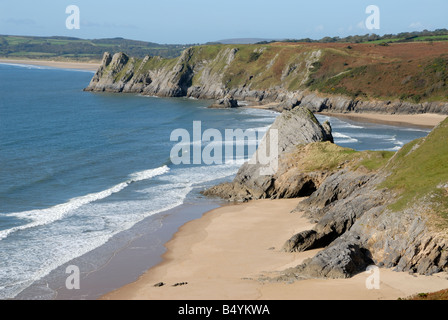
<point>223,254</point>
<point>267,106</point>
<point>428,120</point>
<point>87,66</point>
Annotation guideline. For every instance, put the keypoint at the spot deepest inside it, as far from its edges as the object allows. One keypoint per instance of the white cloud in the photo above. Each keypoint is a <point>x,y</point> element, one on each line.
<point>361,25</point>
<point>417,26</point>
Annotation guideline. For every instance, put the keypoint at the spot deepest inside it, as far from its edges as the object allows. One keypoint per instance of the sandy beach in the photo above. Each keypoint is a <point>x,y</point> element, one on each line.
<point>226,254</point>
<point>428,120</point>
<point>87,66</point>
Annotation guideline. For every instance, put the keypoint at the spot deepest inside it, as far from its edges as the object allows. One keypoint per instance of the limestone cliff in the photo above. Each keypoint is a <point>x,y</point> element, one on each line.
<point>394,218</point>
<point>383,208</point>
<point>330,78</point>
<point>296,127</point>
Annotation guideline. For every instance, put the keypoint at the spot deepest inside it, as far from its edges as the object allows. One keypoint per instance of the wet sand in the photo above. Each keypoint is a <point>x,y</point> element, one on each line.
<point>427,120</point>
<point>226,254</point>
<point>87,66</point>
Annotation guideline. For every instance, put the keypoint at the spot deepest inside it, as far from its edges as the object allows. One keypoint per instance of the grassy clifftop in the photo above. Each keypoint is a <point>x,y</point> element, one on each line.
<point>419,172</point>
<point>413,72</point>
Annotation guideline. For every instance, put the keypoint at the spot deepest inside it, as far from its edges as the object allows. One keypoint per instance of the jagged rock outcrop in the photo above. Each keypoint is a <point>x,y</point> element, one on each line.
<point>336,205</point>
<point>287,105</point>
<point>227,102</point>
<point>404,240</point>
<point>338,186</point>
<point>296,127</point>
<point>356,227</point>
<point>122,74</point>
<point>400,240</point>
<point>216,72</point>
<point>105,79</point>
<point>341,104</point>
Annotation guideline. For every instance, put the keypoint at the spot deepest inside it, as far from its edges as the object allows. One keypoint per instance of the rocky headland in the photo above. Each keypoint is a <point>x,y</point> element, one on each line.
<point>323,78</point>
<point>369,208</point>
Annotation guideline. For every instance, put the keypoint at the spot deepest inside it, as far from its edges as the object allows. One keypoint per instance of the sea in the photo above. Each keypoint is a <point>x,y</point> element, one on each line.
<point>86,179</point>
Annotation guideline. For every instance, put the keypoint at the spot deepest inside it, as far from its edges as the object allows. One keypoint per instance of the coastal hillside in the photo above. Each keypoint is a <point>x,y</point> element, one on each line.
<point>395,218</point>
<point>340,77</point>
<point>371,207</point>
<point>76,49</point>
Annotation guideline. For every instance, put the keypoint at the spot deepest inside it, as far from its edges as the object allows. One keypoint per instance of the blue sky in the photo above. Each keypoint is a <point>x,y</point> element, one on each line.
<point>199,21</point>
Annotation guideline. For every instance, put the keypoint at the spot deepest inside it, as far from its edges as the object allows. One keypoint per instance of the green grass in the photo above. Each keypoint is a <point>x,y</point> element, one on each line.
<point>326,156</point>
<point>432,38</point>
<point>418,169</point>
<point>375,160</point>
<point>416,39</point>
<point>41,47</point>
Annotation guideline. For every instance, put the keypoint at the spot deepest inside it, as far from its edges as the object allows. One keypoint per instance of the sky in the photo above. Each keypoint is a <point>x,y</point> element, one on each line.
<point>201,21</point>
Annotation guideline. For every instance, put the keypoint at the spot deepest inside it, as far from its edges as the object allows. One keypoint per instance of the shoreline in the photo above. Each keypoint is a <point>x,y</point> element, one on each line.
<point>425,120</point>
<point>85,66</point>
<point>122,260</point>
<point>216,258</point>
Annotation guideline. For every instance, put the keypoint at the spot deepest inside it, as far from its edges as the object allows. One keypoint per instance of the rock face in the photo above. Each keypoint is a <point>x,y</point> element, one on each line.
<point>296,127</point>
<point>226,103</point>
<point>200,74</point>
<point>337,206</point>
<point>122,74</point>
<point>355,225</point>
<point>355,230</point>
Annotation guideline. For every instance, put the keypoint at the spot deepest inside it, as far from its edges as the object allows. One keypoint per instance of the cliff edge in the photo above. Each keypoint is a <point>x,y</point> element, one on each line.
<point>401,78</point>
<point>369,208</point>
<point>293,128</point>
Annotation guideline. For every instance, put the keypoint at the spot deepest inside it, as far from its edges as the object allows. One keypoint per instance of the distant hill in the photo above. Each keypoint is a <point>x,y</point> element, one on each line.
<point>243,41</point>
<point>68,48</point>
<point>416,36</point>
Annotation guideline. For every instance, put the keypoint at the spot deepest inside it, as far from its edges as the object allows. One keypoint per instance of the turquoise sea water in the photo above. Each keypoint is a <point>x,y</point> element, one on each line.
<point>77,168</point>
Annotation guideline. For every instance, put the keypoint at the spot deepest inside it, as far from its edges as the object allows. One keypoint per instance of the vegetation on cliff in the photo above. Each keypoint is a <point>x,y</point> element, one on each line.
<point>425,35</point>
<point>419,172</point>
<point>412,72</point>
<point>393,217</point>
<point>369,207</point>
<point>326,156</point>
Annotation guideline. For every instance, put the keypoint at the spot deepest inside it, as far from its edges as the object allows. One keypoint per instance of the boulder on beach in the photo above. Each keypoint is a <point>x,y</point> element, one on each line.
<point>225,103</point>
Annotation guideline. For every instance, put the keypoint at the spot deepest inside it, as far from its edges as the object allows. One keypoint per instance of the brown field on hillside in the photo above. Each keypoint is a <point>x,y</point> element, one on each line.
<point>406,71</point>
